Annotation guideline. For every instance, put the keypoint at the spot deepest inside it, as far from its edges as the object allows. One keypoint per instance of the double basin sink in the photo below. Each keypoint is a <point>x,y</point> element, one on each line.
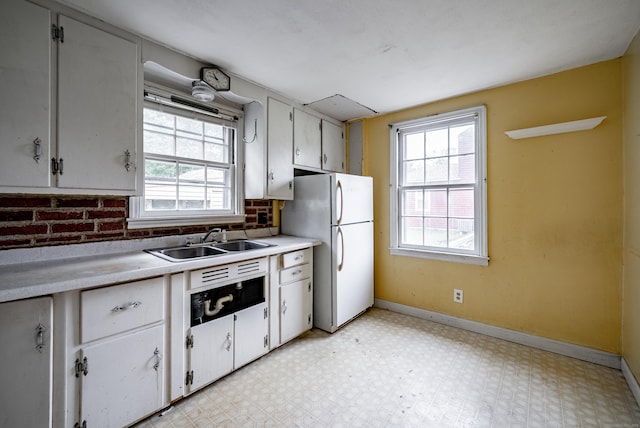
<point>188,252</point>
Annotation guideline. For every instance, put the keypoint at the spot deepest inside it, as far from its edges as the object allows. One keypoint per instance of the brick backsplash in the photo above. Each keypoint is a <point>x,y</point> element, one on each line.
<point>35,221</point>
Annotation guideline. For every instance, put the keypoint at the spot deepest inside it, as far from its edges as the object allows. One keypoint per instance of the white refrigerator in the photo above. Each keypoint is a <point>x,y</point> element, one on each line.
<point>338,210</point>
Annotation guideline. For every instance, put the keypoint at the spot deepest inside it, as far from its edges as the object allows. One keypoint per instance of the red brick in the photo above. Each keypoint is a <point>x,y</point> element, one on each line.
<point>59,215</point>
<point>28,229</point>
<point>260,203</point>
<point>251,219</point>
<point>165,232</point>
<point>76,203</point>
<point>91,214</point>
<point>16,215</point>
<point>72,227</point>
<point>250,210</point>
<point>104,236</point>
<point>15,243</point>
<point>194,229</point>
<point>138,233</point>
<point>112,225</point>
<point>114,203</point>
<point>59,239</point>
<point>25,202</point>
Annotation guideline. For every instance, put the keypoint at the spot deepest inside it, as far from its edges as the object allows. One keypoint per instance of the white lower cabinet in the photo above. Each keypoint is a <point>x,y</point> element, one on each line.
<point>291,295</point>
<point>117,365</point>
<point>124,378</point>
<point>222,345</point>
<point>26,356</point>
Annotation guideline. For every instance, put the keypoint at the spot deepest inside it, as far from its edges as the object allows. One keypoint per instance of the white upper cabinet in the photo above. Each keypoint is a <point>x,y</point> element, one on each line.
<point>333,147</point>
<point>70,103</point>
<point>97,108</point>
<point>25,94</point>
<point>279,149</point>
<point>306,139</point>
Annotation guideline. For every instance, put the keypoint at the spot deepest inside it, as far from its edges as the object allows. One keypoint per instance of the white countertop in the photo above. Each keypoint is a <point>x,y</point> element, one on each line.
<point>37,278</point>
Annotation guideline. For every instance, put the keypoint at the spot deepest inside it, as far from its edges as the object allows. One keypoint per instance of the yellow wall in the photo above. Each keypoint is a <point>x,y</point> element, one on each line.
<point>554,207</point>
<point>631,289</point>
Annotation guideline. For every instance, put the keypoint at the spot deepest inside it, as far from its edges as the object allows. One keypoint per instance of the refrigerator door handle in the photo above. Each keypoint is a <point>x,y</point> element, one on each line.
<point>341,207</point>
<point>341,236</point>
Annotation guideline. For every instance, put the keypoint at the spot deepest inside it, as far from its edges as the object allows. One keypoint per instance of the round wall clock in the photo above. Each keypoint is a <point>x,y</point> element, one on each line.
<point>216,78</point>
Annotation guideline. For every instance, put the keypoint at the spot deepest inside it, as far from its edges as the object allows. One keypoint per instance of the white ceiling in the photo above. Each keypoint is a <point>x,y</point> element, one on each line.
<point>385,55</point>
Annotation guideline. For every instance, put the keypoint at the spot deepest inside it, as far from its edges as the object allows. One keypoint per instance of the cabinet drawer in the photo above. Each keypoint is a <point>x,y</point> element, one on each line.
<point>110,310</point>
<point>297,258</point>
<point>295,273</point>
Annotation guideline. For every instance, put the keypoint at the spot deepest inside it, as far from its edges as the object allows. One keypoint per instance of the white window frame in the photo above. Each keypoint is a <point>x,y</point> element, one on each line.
<point>479,255</point>
<point>141,218</point>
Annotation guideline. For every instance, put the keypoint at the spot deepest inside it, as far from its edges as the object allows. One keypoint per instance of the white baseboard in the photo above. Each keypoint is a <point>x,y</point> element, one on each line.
<point>575,351</point>
<point>631,380</point>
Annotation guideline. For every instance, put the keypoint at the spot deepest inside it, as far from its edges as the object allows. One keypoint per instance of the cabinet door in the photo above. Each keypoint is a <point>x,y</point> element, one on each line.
<point>295,309</point>
<point>306,139</point>
<point>25,374</point>
<point>97,108</point>
<point>211,356</point>
<point>280,148</point>
<point>333,148</point>
<point>125,379</point>
<point>25,93</point>
<point>251,330</point>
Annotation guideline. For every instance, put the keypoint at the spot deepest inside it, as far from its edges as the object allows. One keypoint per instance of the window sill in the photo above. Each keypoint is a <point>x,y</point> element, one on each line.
<point>149,222</point>
<point>447,257</point>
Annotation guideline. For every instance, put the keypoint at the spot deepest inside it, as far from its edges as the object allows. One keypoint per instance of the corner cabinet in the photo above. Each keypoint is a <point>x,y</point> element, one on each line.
<point>318,144</point>
<point>70,102</point>
<point>26,356</point>
<point>333,147</point>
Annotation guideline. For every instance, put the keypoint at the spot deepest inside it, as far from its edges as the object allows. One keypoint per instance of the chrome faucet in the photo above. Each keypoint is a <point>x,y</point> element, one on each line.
<point>212,231</point>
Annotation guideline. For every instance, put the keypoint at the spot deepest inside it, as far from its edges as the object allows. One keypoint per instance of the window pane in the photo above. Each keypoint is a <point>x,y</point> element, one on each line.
<point>436,203</point>
<point>215,152</point>
<point>188,148</point>
<point>188,127</point>
<point>191,174</point>
<point>413,172</point>
<point>213,130</point>
<point>437,170</point>
<point>191,197</point>
<point>217,176</point>
<point>435,232</point>
<point>461,234</point>
<point>412,230</point>
<point>159,119</point>
<point>414,146</point>
<point>461,203</point>
<point>462,169</point>
<point>218,198</point>
<point>462,139</point>
<point>437,142</point>
<point>157,143</point>
<point>160,170</point>
<point>413,203</point>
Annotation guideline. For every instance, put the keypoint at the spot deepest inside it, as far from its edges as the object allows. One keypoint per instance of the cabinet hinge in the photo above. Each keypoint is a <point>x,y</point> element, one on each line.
<point>189,341</point>
<point>235,317</point>
<point>57,166</point>
<point>82,367</point>
<point>266,313</point>
<point>266,341</point>
<point>189,380</point>
<point>57,33</point>
<point>80,425</point>
<point>309,320</point>
<point>309,287</point>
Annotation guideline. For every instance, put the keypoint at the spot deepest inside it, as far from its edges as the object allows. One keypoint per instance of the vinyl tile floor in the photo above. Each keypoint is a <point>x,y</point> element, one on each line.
<point>386,369</point>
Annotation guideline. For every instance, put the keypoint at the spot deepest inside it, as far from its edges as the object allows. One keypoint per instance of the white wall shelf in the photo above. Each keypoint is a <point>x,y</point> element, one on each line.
<point>556,128</point>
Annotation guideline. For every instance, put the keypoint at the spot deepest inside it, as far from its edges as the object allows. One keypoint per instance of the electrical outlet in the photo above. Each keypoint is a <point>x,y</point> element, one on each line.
<point>458,295</point>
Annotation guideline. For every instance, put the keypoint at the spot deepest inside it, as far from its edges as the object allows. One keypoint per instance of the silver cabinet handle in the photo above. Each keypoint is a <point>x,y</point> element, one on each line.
<point>299,257</point>
<point>284,307</point>
<point>229,342</point>
<point>127,160</point>
<point>298,272</point>
<point>272,175</point>
<point>325,158</point>
<point>158,356</point>
<point>297,151</point>
<point>130,305</point>
<point>37,149</point>
<point>40,329</point>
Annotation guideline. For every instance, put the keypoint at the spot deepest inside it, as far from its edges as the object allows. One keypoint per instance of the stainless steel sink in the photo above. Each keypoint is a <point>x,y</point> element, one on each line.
<point>188,252</point>
<point>242,245</point>
<point>176,254</point>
